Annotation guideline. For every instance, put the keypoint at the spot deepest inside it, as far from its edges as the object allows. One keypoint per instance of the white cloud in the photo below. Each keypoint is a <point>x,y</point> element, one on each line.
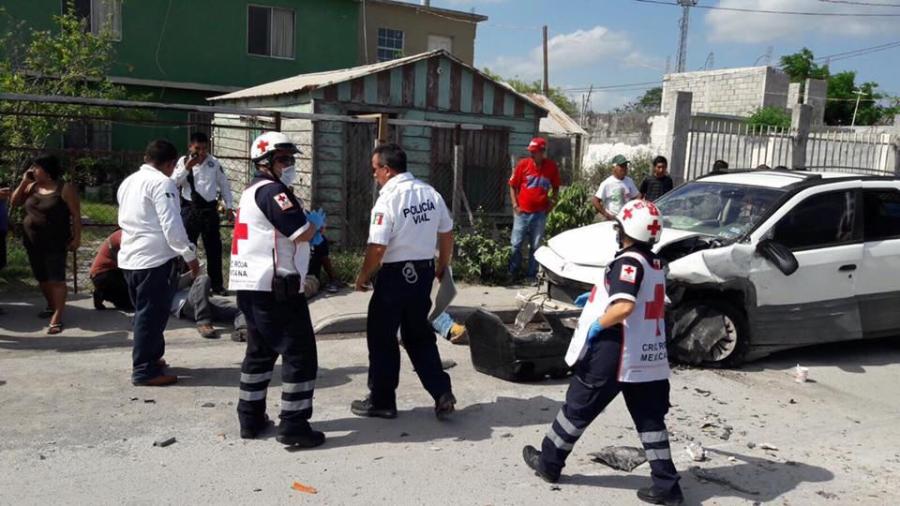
<point>745,27</point>
<point>578,49</point>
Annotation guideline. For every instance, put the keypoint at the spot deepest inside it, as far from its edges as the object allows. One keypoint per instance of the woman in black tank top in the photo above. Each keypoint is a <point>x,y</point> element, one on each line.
<point>52,227</point>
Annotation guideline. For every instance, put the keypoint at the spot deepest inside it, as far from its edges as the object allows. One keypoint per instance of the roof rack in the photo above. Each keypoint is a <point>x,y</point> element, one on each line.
<point>799,173</point>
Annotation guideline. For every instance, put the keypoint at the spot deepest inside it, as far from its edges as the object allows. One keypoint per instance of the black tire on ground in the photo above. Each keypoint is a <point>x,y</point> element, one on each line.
<point>709,332</point>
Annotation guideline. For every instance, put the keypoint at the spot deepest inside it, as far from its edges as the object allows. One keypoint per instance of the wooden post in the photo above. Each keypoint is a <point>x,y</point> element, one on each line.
<point>382,129</point>
<point>457,173</point>
<point>277,117</point>
<point>801,116</point>
<point>546,67</point>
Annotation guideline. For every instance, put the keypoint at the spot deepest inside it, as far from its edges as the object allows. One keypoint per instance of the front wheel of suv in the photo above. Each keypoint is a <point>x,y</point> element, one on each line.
<point>709,332</point>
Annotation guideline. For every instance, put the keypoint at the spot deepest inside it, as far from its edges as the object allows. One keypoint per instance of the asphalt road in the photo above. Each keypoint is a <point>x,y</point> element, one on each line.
<point>73,430</point>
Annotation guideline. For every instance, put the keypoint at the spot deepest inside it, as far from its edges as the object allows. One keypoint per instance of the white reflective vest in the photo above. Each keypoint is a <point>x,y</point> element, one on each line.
<point>258,250</point>
<point>643,355</point>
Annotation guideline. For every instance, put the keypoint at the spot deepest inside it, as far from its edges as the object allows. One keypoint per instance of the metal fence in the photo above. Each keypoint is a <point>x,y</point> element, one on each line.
<point>101,142</point>
<point>747,146</point>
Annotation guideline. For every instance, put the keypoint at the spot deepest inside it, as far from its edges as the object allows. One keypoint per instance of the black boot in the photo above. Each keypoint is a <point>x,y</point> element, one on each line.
<point>365,407</point>
<point>532,457</point>
<point>251,429</point>
<point>653,495</point>
<point>445,406</point>
<point>307,438</point>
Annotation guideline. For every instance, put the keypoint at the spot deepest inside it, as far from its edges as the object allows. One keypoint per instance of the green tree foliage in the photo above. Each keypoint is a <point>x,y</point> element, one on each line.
<point>556,94</point>
<point>841,91</point>
<point>572,210</point>
<point>770,117</point>
<point>650,101</point>
<point>65,61</point>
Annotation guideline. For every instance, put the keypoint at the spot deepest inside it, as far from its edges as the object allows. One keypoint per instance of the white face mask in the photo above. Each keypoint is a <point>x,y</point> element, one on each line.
<point>289,175</point>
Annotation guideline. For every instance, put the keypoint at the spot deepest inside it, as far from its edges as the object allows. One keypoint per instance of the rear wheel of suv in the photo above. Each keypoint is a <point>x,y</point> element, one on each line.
<point>710,332</point>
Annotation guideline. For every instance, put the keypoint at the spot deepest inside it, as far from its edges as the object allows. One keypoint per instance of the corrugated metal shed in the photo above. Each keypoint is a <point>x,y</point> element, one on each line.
<point>310,82</point>
<point>557,122</point>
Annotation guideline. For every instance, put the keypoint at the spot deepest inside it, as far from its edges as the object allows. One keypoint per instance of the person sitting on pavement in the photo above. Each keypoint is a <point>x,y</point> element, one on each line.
<point>109,282</point>
<point>445,326</point>
<point>194,302</point>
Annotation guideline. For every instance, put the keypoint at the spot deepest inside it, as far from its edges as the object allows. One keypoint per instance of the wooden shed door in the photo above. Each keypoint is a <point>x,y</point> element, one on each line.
<point>485,166</point>
<point>361,190</point>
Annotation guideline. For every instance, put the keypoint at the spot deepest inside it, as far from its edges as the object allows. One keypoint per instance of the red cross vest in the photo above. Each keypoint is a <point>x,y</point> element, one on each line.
<point>643,356</point>
<point>258,250</point>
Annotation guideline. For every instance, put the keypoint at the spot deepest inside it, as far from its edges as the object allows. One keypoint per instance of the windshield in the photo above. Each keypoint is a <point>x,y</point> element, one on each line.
<point>723,210</point>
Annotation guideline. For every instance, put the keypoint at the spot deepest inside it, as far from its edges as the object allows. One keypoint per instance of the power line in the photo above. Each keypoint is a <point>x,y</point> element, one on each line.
<point>858,52</point>
<point>853,2</point>
<point>765,11</point>
<point>616,87</point>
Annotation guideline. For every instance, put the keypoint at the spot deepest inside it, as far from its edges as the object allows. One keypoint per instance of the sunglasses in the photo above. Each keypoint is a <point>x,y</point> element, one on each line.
<point>285,159</point>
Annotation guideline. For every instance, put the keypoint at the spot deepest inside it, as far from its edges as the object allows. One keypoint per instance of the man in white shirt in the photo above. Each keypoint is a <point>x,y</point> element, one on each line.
<point>152,239</point>
<point>615,190</point>
<point>200,178</point>
<point>408,221</point>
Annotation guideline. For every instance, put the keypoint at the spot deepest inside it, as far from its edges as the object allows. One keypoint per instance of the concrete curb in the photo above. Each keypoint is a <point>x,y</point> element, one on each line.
<point>356,322</point>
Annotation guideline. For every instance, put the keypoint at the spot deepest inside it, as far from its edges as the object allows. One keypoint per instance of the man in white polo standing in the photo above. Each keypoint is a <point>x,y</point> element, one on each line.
<point>153,237</point>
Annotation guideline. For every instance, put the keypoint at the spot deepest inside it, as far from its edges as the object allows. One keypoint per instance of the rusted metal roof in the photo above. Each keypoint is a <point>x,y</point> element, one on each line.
<point>557,122</point>
<point>310,82</point>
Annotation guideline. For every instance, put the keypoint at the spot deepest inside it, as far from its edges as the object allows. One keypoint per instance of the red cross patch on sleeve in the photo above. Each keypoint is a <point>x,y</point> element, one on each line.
<point>283,201</point>
<point>628,274</point>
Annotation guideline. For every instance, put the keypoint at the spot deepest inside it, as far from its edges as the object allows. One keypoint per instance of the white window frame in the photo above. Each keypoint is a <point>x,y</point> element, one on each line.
<point>379,47</point>
<point>115,27</point>
<point>271,10</point>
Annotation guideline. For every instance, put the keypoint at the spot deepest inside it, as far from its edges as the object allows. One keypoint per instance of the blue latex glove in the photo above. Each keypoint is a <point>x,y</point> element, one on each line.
<point>582,299</point>
<point>317,239</point>
<point>317,218</point>
<point>594,330</point>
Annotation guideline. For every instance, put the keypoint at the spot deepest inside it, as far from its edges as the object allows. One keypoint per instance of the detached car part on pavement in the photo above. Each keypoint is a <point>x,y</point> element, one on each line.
<point>760,261</point>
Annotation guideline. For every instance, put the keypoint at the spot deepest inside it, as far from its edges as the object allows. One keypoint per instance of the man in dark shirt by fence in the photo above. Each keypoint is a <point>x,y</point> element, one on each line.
<point>658,184</point>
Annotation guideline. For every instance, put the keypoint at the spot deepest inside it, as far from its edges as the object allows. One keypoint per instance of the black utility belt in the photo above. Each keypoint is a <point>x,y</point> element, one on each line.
<point>285,288</point>
<point>418,264</point>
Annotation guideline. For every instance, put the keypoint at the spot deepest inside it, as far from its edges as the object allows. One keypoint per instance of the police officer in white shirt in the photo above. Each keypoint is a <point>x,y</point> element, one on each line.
<point>408,221</point>
<point>607,360</point>
<point>201,180</point>
<point>152,239</point>
<point>269,261</point>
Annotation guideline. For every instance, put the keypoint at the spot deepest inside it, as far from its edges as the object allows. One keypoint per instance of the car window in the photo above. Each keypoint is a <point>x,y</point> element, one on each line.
<point>721,209</point>
<point>881,211</point>
<point>821,220</point>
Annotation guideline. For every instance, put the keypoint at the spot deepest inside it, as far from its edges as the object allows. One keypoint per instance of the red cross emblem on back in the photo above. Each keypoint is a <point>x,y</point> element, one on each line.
<point>240,232</point>
<point>262,145</point>
<point>656,309</point>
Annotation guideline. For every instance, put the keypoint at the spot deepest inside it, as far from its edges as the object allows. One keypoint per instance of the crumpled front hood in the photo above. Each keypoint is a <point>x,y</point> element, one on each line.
<point>595,245</point>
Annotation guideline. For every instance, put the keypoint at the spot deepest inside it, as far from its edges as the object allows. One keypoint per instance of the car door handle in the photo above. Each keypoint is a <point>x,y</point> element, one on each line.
<point>847,268</point>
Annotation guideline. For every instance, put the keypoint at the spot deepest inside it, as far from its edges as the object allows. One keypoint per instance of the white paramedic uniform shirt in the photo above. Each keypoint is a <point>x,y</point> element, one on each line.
<point>406,218</point>
<point>614,193</point>
<point>209,180</point>
<point>150,219</point>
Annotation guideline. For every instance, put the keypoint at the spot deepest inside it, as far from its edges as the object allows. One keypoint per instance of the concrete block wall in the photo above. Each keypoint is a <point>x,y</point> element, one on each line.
<point>735,91</point>
<point>815,94</point>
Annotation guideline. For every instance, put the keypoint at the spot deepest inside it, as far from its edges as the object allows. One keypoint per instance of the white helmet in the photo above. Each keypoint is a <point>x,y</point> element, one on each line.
<point>641,221</point>
<point>268,143</point>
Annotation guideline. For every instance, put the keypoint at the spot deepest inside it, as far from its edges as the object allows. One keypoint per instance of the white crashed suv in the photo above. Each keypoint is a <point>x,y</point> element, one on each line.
<point>760,261</point>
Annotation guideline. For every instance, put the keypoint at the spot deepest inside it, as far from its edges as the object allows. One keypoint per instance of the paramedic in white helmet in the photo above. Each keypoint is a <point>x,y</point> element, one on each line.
<point>269,260</point>
<point>620,346</point>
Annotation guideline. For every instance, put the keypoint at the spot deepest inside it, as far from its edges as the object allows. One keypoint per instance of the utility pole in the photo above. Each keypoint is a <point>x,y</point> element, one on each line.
<point>859,93</point>
<point>681,58</point>
<point>546,68</point>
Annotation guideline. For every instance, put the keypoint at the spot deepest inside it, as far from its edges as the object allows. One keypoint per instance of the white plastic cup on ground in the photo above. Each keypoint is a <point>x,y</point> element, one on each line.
<point>801,374</point>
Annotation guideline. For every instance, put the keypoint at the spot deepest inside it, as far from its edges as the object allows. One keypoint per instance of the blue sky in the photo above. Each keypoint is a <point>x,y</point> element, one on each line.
<point>614,42</point>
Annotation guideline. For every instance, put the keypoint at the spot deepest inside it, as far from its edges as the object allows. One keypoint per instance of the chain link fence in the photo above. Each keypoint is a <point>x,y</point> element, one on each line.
<point>102,142</point>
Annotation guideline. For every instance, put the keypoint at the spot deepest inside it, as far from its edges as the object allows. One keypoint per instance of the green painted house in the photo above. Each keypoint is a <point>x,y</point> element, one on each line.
<point>179,51</point>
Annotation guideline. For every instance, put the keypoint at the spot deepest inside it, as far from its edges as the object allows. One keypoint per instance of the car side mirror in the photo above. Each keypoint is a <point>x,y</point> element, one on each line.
<point>779,255</point>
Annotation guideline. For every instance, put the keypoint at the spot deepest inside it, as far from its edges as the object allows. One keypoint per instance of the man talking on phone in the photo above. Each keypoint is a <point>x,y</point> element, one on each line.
<point>200,178</point>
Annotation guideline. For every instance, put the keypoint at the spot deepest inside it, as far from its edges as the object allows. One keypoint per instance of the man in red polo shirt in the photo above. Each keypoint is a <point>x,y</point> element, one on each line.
<point>530,191</point>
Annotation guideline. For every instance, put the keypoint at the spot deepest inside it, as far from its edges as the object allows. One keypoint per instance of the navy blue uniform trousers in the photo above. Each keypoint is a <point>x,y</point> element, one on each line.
<point>593,386</point>
<point>277,328</point>
<point>151,292</point>
<point>402,300</point>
